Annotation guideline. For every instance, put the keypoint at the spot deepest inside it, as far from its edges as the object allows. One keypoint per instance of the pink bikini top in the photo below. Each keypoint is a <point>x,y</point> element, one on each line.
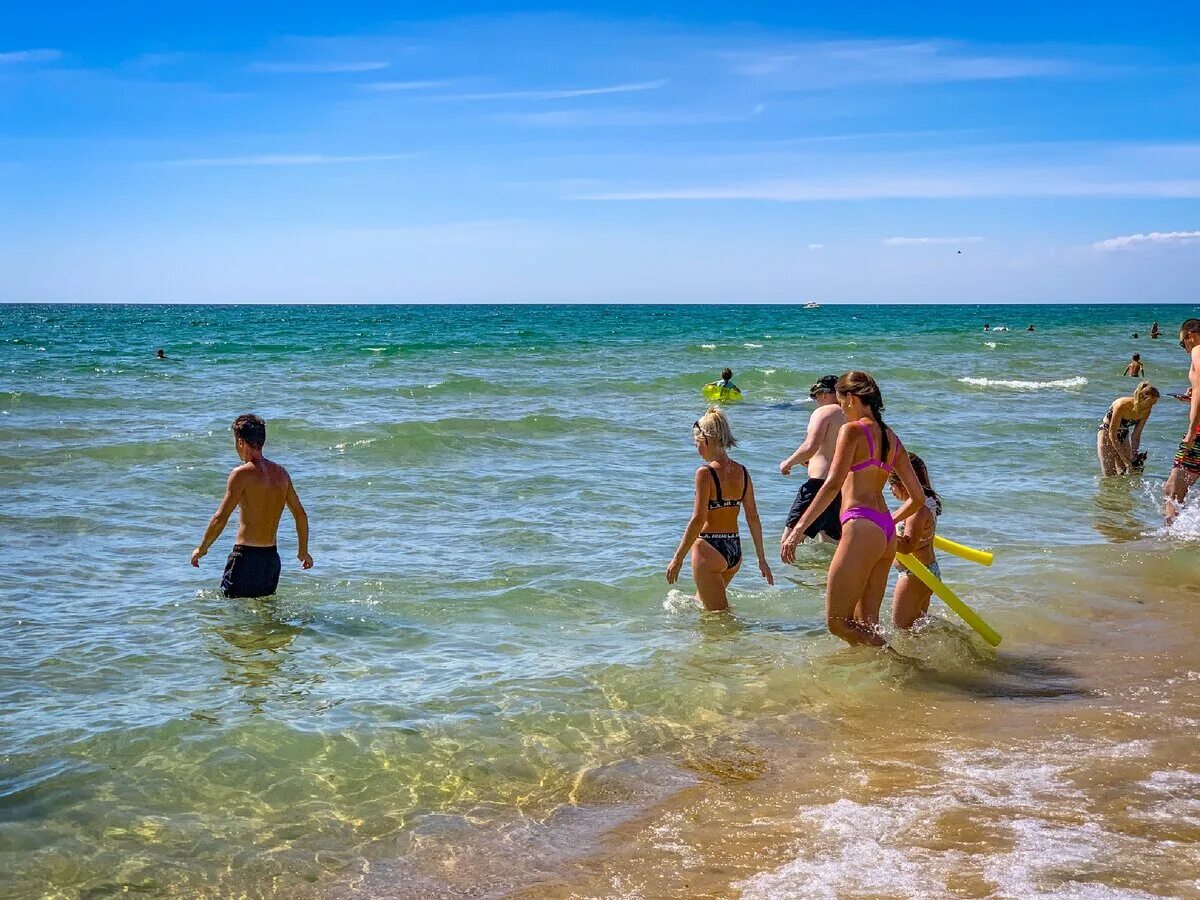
<point>872,461</point>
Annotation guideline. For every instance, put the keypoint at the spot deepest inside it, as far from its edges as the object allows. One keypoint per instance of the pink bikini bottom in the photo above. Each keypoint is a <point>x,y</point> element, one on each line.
<point>882,519</point>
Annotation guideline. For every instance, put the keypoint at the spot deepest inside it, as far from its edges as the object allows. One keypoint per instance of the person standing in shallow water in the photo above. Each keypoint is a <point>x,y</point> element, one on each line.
<point>1135,369</point>
<point>1186,469</point>
<point>867,453</point>
<point>722,487</point>
<point>260,489</point>
<point>817,453</point>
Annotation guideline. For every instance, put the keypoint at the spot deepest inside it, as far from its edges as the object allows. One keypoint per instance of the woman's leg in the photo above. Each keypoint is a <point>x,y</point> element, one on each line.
<point>1108,455</point>
<point>708,571</point>
<point>868,605</point>
<point>910,601</point>
<point>860,548</point>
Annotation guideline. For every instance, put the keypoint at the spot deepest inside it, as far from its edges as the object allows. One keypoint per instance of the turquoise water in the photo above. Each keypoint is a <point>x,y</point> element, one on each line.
<point>486,662</point>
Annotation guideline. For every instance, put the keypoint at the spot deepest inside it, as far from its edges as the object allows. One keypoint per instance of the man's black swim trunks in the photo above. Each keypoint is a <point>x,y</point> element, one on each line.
<point>828,522</point>
<point>251,572</point>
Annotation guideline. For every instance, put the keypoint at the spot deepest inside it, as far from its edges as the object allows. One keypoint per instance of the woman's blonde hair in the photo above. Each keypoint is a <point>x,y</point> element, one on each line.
<point>714,427</point>
<point>1145,391</point>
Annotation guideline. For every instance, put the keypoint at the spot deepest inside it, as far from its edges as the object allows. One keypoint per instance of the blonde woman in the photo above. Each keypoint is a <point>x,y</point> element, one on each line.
<point>1120,432</point>
<point>867,453</point>
<point>723,488</point>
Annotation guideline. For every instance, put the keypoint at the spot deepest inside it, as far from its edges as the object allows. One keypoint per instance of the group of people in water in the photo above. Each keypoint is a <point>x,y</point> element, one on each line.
<point>1119,436</point>
<point>851,455</point>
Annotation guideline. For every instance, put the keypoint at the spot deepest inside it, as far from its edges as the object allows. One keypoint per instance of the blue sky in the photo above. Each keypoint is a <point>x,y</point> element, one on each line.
<point>375,152</point>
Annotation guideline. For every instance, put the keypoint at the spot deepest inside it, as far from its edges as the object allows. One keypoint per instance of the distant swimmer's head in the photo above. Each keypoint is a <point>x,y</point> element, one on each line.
<point>249,433</point>
<point>922,472</point>
<point>1189,334</point>
<point>1145,396</point>
<point>160,353</point>
<point>727,374</point>
<point>824,390</point>
<point>1137,357</point>
<point>711,432</point>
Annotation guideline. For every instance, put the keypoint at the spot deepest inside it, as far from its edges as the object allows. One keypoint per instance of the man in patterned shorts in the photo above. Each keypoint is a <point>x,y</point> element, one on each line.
<point>1187,459</point>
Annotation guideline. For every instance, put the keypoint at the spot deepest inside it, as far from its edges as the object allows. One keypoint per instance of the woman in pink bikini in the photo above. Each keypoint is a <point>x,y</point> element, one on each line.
<point>867,453</point>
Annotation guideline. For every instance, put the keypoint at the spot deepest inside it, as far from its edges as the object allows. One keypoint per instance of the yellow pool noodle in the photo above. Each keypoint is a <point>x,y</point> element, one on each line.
<point>948,597</point>
<point>963,551</point>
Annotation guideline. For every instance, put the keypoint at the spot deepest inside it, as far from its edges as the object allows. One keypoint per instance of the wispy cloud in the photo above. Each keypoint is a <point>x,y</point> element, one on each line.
<point>1154,238</point>
<point>310,159</point>
<point>987,184</point>
<point>629,118</point>
<point>923,241</point>
<point>565,93</point>
<point>405,85</point>
<point>814,65</point>
<point>816,246</point>
<point>319,68</point>
<point>29,56</point>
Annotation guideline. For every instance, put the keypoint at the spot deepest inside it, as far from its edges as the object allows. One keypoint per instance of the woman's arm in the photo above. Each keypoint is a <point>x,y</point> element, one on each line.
<point>912,486</point>
<point>752,521</point>
<point>1136,440</point>
<point>1114,426</point>
<point>848,438</point>
<point>695,523</point>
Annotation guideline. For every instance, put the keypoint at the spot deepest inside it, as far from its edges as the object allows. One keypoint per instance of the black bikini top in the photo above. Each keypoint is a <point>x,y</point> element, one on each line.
<point>721,502</point>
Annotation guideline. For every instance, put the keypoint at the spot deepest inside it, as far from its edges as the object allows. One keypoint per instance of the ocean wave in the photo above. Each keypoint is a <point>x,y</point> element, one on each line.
<point>1066,383</point>
<point>708,346</point>
<point>991,344</point>
<point>750,346</point>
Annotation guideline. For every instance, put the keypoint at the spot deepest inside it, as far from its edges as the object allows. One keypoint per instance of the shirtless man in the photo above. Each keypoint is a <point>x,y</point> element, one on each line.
<point>1187,459</point>
<point>817,454</point>
<point>261,489</point>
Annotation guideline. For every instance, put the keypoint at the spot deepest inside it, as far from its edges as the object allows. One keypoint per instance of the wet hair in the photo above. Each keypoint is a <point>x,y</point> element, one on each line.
<point>1190,326</point>
<point>1137,357</point>
<point>714,427</point>
<point>865,388</point>
<point>727,374</point>
<point>1145,391</point>
<point>919,467</point>
<point>251,430</point>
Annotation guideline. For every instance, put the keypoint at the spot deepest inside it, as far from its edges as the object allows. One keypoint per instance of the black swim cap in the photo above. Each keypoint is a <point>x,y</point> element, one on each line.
<point>826,384</point>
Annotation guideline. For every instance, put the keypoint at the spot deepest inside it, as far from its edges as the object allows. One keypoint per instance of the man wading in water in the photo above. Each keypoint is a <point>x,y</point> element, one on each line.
<point>261,488</point>
<point>817,453</point>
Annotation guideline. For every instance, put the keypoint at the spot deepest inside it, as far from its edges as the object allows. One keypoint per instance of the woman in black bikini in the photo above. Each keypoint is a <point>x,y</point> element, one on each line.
<point>1120,432</point>
<point>712,532</point>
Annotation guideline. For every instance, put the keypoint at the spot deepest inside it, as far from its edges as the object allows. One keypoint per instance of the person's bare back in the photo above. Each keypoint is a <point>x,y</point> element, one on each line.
<point>825,421</point>
<point>259,489</point>
<point>263,487</point>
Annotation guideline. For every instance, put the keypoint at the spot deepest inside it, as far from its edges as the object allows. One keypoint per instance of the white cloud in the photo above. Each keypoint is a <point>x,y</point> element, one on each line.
<point>405,85</point>
<point>993,183</point>
<point>311,159</point>
<point>1130,241</point>
<point>27,56</point>
<point>816,246</point>
<point>319,68</point>
<point>563,94</point>
<point>921,241</point>
<point>816,65</point>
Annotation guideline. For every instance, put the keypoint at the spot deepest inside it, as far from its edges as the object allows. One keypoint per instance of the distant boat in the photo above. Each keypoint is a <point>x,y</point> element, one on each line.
<point>812,305</point>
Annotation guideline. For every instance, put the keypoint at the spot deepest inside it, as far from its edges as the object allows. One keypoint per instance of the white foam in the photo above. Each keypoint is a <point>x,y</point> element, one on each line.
<point>1186,526</point>
<point>990,344</point>
<point>708,346</point>
<point>750,346</point>
<point>767,371</point>
<point>678,602</point>
<point>1066,383</point>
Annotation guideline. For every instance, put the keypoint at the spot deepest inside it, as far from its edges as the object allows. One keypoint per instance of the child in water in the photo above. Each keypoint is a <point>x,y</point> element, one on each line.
<point>723,487</point>
<point>725,385</point>
<point>910,600</point>
<point>1135,369</point>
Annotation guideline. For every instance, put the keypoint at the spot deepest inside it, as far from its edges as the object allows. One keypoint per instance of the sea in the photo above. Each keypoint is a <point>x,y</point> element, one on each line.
<point>485,687</point>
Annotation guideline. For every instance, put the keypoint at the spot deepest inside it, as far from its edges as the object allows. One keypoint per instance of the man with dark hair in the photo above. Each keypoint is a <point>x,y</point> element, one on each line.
<point>1187,459</point>
<point>261,489</point>
<point>817,454</point>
